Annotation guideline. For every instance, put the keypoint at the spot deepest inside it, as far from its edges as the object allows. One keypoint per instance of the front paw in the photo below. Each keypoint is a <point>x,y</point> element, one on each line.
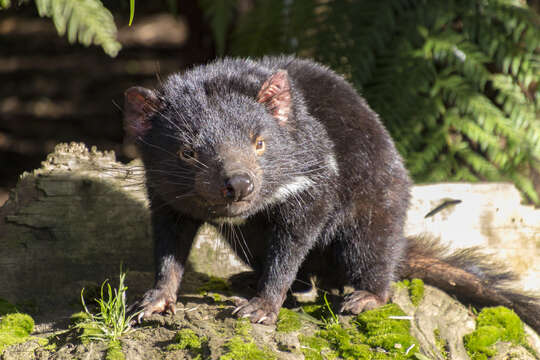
<point>258,310</point>
<point>359,301</point>
<point>153,301</point>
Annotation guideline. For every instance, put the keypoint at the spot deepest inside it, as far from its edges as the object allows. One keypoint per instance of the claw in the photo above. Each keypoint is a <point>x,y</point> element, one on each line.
<point>236,310</point>
<point>258,310</point>
<point>171,308</point>
<point>153,301</point>
<point>238,301</point>
<point>360,301</point>
<point>140,317</point>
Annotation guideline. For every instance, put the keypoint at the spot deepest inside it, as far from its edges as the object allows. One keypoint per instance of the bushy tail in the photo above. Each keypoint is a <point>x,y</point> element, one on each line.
<point>469,275</point>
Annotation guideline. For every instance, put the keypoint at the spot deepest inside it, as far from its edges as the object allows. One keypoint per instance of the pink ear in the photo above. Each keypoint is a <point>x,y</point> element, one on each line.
<point>275,94</point>
<point>139,106</point>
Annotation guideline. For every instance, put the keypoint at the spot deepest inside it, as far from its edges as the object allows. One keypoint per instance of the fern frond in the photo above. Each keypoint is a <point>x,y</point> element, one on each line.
<point>260,32</point>
<point>220,13</point>
<point>85,21</point>
<point>526,185</point>
<point>478,163</point>
<point>454,81</point>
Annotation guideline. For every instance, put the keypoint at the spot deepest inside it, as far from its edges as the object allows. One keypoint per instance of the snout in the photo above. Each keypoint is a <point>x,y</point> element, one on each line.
<point>237,187</point>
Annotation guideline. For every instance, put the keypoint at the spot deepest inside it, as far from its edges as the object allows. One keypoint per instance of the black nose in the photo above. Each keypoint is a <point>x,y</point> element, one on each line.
<point>237,187</point>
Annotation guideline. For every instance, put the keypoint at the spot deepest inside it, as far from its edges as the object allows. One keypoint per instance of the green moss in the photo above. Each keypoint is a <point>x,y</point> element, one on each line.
<point>114,351</point>
<point>390,334</point>
<point>441,343</point>
<point>347,343</point>
<point>419,356</point>
<point>335,341</point>
<point>374,329</point>
<point>316,348</point>
<point>187,339</point>
<point>240,349</point>
<point>415,288</point>
<point>319,310</point>
<point>416,291</point>
<point>215,284</point>
<point>242,346</point>
<point>42,341</point>
<point>504,318</point>
<point>47,344</point>
<point>14,329</point>
<point>87,329</point>
<point>314,342</point>
<point>288,321</point>
<point>243,328</point>
<point>493,325</point>
<point>6,307</point>
<point>314,310</point>
<point>479,344</point>
<point>79,317</point>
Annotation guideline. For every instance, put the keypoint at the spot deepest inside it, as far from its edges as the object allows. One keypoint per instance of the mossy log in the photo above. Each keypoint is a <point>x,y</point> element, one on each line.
<point>71,223</point>
<point>204,328</point>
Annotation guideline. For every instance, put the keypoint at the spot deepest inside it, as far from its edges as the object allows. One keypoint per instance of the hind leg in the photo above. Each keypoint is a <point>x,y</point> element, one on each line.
<point>369,264</point>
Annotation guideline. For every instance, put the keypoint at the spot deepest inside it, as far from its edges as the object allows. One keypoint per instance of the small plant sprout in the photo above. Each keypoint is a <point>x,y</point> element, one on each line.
<point>111,321</point>
<point>334,319</point>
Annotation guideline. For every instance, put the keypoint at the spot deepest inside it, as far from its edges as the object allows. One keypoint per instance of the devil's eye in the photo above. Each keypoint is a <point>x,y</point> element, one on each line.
<point>186,153</point>
<point>260,145</point>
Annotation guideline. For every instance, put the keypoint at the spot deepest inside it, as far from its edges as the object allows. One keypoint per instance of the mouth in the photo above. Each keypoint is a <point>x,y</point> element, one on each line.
<point>233,209</point>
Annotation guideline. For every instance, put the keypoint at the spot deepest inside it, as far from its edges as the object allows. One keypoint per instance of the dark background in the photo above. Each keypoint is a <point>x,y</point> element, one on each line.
<point>52,91</point>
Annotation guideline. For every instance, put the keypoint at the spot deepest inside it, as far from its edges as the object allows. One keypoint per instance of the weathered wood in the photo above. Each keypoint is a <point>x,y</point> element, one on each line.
<point>488,215</point>
<point>72,223</point>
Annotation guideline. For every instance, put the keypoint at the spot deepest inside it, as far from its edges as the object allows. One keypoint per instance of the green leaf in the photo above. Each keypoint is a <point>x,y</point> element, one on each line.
<point>4,4</point>
<point>86,21</point>
<point>131,11</point>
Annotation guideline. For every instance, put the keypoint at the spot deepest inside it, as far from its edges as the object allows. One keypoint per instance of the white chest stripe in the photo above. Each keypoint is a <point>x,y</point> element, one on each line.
<point>298,184</point>
<point>332,164</point>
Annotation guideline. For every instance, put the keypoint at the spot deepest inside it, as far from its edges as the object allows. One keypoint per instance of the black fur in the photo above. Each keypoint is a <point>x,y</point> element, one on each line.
<point>324,192</point>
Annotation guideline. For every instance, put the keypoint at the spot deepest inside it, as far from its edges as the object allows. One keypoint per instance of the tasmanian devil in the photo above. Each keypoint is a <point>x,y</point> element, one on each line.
<point>286,151</point>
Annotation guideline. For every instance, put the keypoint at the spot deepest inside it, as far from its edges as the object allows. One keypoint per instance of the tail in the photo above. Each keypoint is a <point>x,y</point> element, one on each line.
<point>470,276</point>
